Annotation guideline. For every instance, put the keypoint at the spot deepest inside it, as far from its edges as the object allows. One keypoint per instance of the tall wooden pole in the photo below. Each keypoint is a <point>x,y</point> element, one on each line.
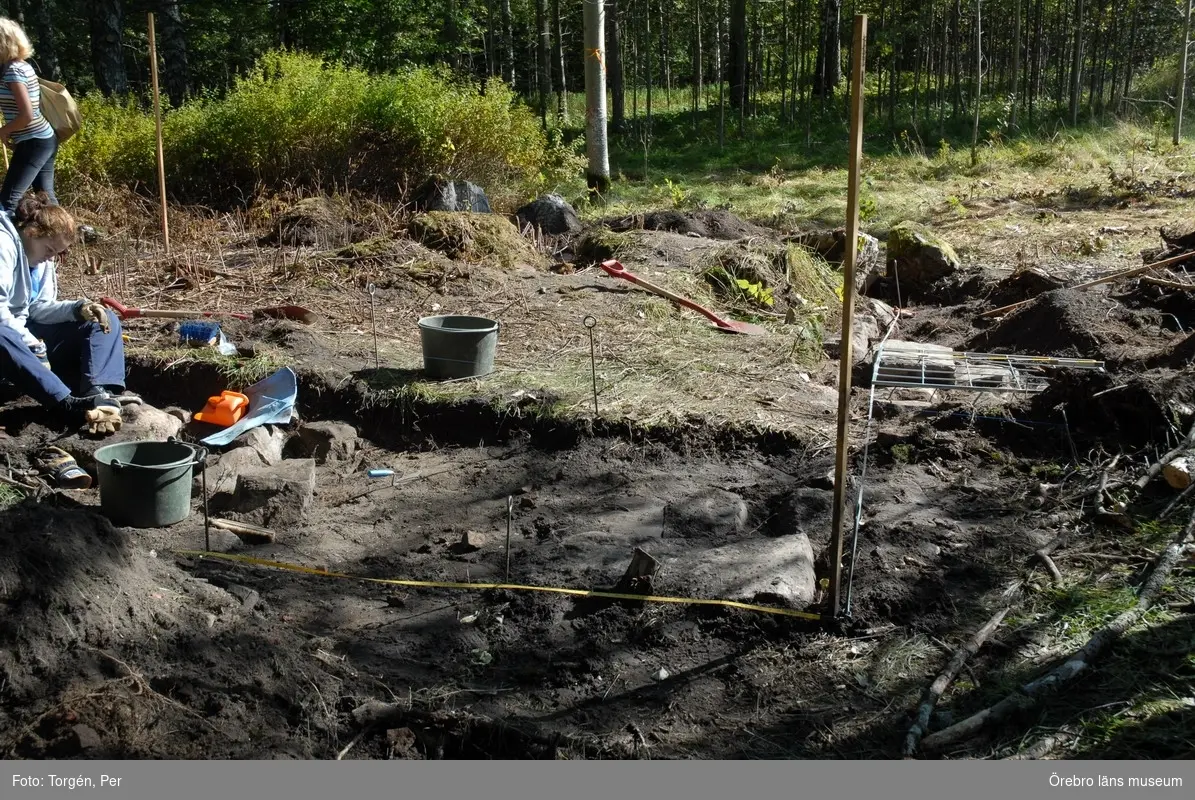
<point>153,74</point>
<point>859,53</point>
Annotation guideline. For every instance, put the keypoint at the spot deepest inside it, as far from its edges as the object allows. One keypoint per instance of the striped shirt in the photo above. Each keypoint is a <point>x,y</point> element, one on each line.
<point>21,72</point>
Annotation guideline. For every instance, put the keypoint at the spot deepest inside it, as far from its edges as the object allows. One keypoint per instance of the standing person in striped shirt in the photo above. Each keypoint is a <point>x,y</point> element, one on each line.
<point>34,144</point>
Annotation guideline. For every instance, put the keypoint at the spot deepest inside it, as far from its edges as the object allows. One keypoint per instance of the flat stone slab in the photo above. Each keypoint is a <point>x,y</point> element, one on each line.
<point>757,569</point>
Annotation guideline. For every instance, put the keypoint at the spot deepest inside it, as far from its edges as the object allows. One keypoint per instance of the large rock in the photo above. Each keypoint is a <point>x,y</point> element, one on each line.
<point>439,194</point>
<point>756,569</point>
<point>872,318</point>
<point>710,512</point>
<point>831,246</point>
<point>918,256</point>
<point>551,213</point>
<point>139,422</point>
<point>278,496</point>
<point>325,441</point>
<point>266,441</point>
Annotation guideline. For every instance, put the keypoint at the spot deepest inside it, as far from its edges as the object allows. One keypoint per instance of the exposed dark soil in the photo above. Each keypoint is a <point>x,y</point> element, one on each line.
<point>120,643</point>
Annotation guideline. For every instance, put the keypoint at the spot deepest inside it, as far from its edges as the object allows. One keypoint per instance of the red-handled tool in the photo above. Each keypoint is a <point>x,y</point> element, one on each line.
<point>297,313</point>
<point>616,270</point>
<point>133,313</point>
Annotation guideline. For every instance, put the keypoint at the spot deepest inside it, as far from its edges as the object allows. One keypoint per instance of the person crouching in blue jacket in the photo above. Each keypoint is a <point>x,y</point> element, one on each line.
<point>66,354</point>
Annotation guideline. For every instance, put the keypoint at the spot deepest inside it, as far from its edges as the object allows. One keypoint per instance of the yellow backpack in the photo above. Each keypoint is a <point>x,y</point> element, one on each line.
<point>59,109</point>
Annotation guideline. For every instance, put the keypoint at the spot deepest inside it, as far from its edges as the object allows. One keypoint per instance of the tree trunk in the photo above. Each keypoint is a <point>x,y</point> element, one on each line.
<point>618,93</point>
<point>1077,63</point>
<point>545,59</point>
<point>697,71</point>
<point>1016,66</point>
<point>1182,76</point>
<point>828,72</point>
<point>558,59</point>
<point>738,54</point>
<point>597,176</point>
<point>719,69</point>
<point>977,100</point>
<point>47,51</point>
<point>107,55</point>
<point>647,51</point>
<point>784,49</point>
<point>173,45</point>
<point>508,42</point>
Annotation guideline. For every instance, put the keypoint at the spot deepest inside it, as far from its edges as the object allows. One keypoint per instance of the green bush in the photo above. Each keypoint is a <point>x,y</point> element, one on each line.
<point>295,120</point>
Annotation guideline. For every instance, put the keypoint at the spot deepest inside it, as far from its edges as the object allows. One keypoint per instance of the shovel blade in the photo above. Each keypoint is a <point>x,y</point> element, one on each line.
<point>734,326</point>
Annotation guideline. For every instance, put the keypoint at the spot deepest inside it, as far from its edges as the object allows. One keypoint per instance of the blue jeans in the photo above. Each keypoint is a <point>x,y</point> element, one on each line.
<point>82,355</point>
<point>22,369</point>
<point>31,166</point>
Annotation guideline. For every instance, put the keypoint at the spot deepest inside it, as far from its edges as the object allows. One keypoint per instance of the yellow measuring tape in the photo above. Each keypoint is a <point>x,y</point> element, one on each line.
<point>262,562</point>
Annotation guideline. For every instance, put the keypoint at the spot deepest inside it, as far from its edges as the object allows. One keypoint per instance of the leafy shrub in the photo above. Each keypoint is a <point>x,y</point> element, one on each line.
<point>295,120</point>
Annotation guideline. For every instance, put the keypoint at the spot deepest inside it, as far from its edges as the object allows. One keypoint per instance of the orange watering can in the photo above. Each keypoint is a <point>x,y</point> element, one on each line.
<point>225,410</point>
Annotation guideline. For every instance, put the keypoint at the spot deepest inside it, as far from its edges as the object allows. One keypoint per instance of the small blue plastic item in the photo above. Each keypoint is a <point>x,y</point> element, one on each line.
<point>381,473</point>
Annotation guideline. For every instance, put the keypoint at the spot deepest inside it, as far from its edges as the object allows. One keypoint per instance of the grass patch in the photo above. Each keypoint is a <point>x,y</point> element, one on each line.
<point>240,371</point>
<point>9,496</point>
<point>474,237</point>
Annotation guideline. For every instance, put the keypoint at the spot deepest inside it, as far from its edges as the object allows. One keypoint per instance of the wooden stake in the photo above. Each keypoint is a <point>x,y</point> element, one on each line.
<point>848,311</point>
<point>153,74</point>
<point>1128,273</point>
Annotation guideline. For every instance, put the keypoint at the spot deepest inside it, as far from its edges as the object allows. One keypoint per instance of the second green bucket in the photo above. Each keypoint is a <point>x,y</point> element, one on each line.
<point>457,346</point>
<point>147,484</point>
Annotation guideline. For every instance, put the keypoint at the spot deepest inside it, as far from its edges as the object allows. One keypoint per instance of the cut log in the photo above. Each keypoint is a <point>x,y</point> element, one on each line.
<point>250,534</point>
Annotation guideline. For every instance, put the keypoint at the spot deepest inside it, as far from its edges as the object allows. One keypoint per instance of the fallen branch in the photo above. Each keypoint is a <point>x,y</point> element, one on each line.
<point>936,689</point>
<point>1155,469</point>
<point>1035,691</point>
<point>1043,554</point>
<point>1169,284</point>
<point>1128,273</point>
<point>1043,747</point>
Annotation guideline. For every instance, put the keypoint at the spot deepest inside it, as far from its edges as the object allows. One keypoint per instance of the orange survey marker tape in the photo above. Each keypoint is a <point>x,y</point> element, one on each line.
<point>225,410</point>
<point>697,601</point>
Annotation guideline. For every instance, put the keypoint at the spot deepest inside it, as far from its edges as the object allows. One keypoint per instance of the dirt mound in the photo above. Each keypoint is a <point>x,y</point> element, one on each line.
<point>74,585</point>
<point>1144,408</point>
<point>1065,323</point>
<point>312,222</point>
<point>474,237</point>
<point>712,224</point>
<point>1024,284</point>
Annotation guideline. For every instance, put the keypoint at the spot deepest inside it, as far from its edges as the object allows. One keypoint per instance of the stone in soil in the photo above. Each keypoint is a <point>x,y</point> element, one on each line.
<point>551,214</point>
<point>266,441</point>
<point>918,256</point>
<point>325,441</point>
<point>141,422</point>
<point>709,512</point>
<point>278,496</point>
<point>437,194</point>
<point>758,569</point>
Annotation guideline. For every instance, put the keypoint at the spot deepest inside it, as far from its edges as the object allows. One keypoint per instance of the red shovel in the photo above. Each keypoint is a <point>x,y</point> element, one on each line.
<point>617,270</point>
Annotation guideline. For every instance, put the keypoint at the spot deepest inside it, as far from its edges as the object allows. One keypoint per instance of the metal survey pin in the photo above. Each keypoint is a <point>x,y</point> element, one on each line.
<point>373,323</point>
<point>590,323</point>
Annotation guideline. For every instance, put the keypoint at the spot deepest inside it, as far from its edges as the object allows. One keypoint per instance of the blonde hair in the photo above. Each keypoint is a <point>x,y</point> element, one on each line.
<point>14,44</point>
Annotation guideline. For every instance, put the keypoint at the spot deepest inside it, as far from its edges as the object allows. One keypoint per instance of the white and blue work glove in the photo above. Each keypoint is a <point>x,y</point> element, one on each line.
<point>39,350</point>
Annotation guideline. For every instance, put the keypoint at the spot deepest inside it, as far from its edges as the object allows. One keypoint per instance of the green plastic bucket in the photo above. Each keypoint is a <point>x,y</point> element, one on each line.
<point>458,346</point>
<point>147,484</point>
